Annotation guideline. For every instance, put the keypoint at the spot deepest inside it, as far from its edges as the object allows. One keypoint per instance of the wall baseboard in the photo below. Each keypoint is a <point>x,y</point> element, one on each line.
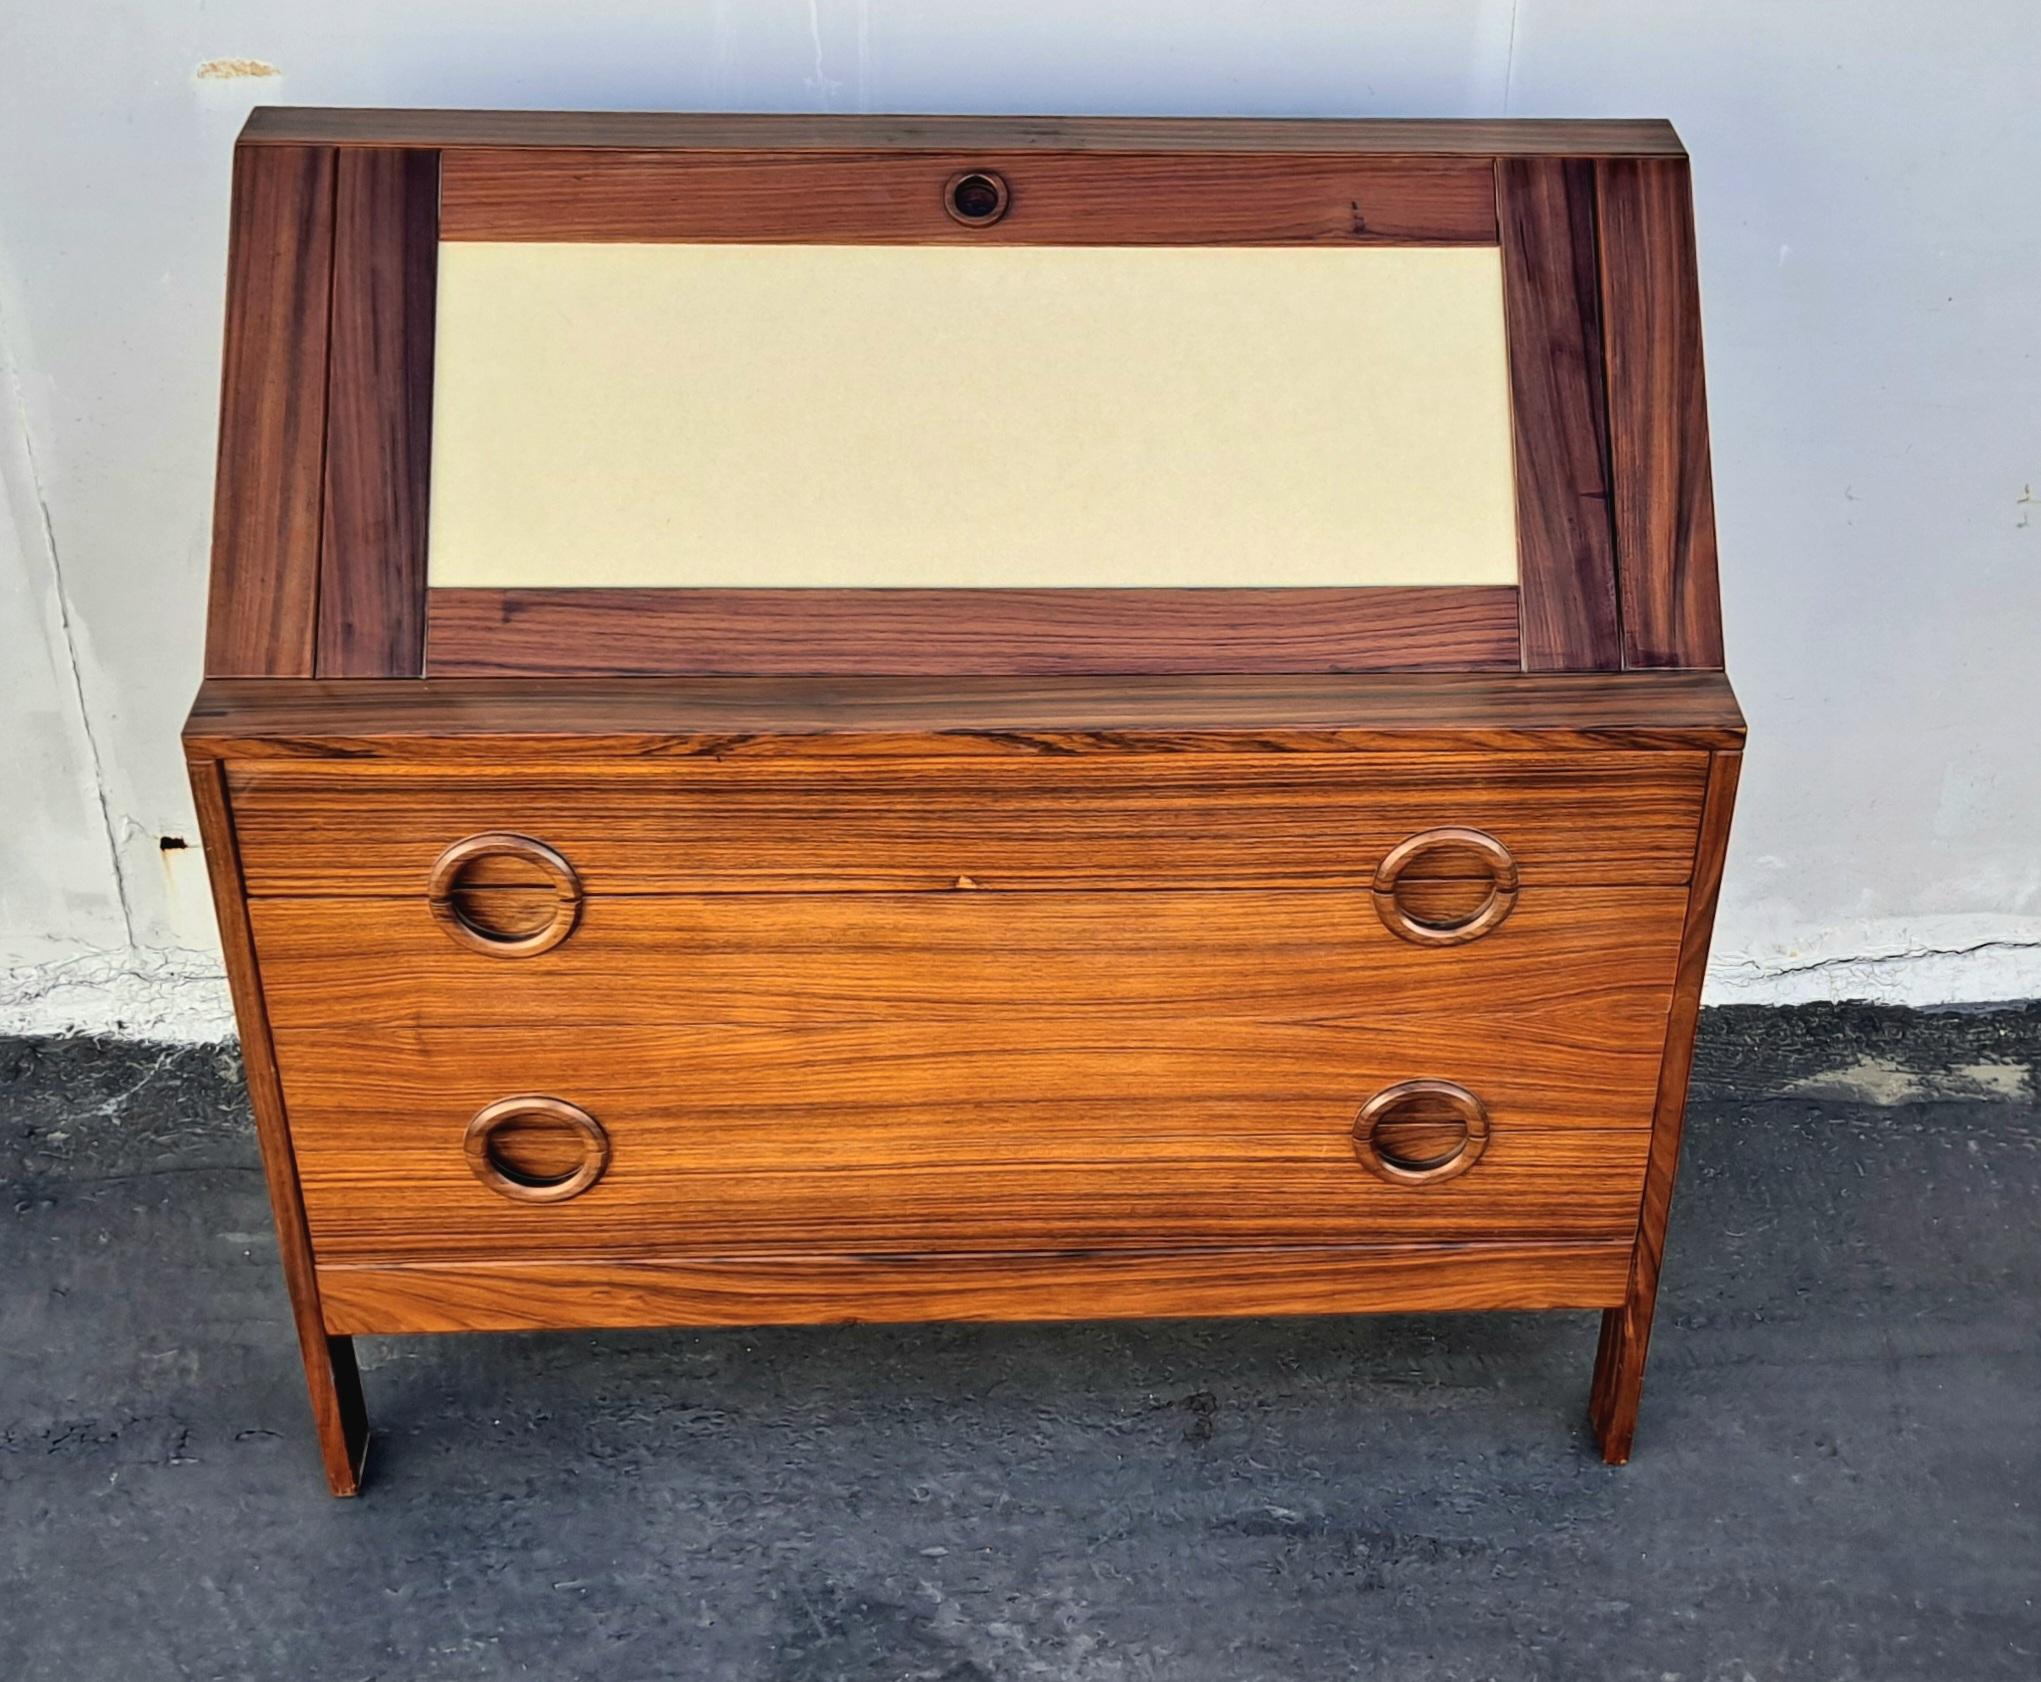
<point>1981,958</point>
<point>173,996</point>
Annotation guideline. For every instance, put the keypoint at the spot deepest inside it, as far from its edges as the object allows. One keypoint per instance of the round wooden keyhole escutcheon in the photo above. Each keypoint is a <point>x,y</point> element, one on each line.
<point>535,1149</point>
<point>1414,873</point>
<point>472,875</point>
<point>975,197</point>
<point>1420,1132</point>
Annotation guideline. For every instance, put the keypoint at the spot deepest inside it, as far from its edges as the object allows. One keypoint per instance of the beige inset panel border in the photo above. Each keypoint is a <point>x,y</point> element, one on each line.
<point>1023,417</point>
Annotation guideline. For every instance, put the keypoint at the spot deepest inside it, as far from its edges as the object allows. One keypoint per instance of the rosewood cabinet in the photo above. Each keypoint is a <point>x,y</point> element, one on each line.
<point>853,718</point>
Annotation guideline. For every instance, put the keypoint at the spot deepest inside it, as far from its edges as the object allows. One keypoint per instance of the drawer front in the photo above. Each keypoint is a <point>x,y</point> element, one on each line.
<point>529,1294</point>
<point>925,958</point>
<point>1108,821</point>
<point>992,1136</point>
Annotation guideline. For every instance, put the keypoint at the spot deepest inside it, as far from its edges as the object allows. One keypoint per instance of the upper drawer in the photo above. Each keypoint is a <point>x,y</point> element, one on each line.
<point>1111,821</point>
<point>1562,954</point>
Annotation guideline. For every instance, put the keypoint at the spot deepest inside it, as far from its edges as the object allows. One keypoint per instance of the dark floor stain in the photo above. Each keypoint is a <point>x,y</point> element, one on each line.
<point>1838,1473</point>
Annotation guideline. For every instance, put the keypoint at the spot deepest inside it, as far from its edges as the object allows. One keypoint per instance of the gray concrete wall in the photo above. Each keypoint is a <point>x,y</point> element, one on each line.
<point>1871,256</point>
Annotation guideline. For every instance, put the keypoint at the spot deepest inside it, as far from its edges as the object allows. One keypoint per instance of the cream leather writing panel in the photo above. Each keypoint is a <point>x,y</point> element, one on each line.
<point>1017,416</point>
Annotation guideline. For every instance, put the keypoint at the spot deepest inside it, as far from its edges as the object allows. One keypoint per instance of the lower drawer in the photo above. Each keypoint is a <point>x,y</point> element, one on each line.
<point>1044,1134</point>
<point>1045,821</point>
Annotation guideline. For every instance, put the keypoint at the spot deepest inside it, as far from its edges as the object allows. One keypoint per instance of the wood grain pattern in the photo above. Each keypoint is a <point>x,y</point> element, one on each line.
<point>1658,414</point>
<point>508,1296</point>
<point>1552,305</point>
<point>261,611</point>
<point>1555,1184</point>
<point>1626,1331</point>
<point>895,197</point>
<point>992,1088</point>
<point>657,633</point>
<point>999,1136</point>
<point>997,1129</point>
<point>1597,817</point>
<point>379,415</point>
<point>733,719</point>
<point>818,958</point>
<point>745,132</point>
<point>331,1376</point>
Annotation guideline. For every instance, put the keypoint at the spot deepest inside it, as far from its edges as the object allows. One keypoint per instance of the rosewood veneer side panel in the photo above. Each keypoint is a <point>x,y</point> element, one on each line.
<point>379,415</point>
<point>1626,1331</point>
<point>985,632</point>
<point>1658,416</point>
<point>1552,304</point>
<point>896,197</point>
<point>261,611</point>
<point>338,1414</point>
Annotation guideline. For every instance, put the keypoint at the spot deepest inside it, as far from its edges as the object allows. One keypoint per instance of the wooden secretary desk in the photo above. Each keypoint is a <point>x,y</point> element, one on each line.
<point>904,718</point>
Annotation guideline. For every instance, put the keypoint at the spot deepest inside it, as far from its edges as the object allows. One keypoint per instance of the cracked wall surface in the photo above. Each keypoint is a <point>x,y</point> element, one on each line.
<point>59,889</point>
<point>1874,380</point>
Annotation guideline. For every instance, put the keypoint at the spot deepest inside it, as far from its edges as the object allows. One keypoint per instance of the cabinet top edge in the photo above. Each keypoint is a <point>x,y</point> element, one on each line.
<point>1587,137</point>
<point>587,718</point>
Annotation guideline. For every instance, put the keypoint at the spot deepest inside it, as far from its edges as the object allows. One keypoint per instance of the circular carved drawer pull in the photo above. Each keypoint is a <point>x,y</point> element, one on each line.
<point>496,1171</point>
<point>443,890</point>
<point>1401,1127</point>
<point>975,197</point>
<point>1502,887</point>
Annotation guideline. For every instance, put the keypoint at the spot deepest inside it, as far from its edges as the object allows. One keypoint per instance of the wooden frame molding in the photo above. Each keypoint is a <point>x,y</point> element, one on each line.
<point>1552,299</point>
<point>262,608</point>
<point>897,197</point>
<point>1658,416</point>
<point>821,632</point>
<point>379,415</point>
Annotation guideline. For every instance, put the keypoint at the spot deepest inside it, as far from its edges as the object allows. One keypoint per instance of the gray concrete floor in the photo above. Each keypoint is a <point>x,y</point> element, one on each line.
<point>1838,1472</point>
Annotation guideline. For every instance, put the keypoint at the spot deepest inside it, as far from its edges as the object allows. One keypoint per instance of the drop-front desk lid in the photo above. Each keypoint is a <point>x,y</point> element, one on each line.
<point>550,396</point>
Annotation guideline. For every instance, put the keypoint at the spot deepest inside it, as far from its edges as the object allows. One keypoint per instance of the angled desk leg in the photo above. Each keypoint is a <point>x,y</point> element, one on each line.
<point>1626,1331</point>
<point>338,1413</point>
